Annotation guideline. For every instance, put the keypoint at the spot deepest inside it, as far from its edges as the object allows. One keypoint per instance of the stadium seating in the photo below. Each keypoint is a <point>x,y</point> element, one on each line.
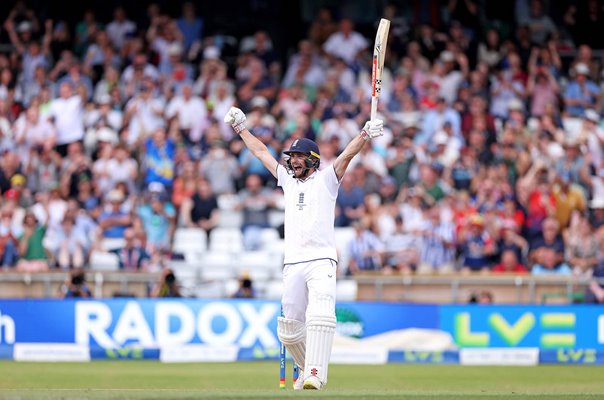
<point>227,202</point>
<point>190,242</point>
<point>217,265</point>
<point>101,260</point>
<point>276,218</point>
<point>109,244</point>
<point>230,219</point>
<point>260,265</point>
<point>273,289</point>
<point>226,239</point>
<point>213,290</point>
<point>187,276</point>
<point>268,236</point>
<point>572,125</point>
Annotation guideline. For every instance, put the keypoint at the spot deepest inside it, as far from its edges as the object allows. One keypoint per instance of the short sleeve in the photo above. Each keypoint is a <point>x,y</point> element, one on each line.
<point>331,180</point>
<point>282,175</point>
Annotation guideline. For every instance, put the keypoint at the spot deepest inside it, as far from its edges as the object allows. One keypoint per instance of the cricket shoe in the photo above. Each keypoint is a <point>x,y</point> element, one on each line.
<point>312,383</point>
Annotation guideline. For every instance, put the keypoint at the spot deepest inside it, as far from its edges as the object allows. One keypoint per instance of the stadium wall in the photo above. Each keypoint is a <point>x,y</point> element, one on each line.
<point>192,330</point>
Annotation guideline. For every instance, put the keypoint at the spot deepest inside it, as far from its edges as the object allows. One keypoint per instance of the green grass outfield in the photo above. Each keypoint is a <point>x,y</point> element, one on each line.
<point>260,380</point>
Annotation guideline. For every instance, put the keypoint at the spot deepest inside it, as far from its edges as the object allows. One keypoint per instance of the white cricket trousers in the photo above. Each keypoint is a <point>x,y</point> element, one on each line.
<point>303,284</point>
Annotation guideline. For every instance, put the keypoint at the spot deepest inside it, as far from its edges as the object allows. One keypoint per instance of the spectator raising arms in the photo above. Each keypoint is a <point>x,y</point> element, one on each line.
<point>483,115</point>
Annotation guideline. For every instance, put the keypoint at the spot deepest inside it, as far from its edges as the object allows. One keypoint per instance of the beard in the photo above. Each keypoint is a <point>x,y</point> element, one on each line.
<point>300,171</point>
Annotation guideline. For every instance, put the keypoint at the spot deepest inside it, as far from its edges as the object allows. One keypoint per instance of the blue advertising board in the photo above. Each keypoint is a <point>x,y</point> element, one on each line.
<point>544,327</point>
<point>151,323</point>
<point>141,328</point>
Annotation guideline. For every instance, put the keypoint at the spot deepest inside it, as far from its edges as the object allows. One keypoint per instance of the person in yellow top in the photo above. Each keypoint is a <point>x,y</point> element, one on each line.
<point>569,197</point>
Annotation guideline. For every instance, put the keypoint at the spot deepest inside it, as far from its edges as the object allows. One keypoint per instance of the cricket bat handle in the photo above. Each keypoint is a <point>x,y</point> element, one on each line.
<point>374,104</point>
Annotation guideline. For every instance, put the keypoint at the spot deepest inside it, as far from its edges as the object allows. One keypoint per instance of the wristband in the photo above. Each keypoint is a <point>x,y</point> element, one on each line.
<point>365,135</point>
<point>239,127</point>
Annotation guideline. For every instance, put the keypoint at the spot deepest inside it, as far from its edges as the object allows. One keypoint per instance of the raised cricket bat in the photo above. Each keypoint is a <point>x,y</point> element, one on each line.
<point>379,52</point>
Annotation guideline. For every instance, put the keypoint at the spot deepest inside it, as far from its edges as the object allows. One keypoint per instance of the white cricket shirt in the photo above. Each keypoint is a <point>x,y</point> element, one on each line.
<point>309,215</point>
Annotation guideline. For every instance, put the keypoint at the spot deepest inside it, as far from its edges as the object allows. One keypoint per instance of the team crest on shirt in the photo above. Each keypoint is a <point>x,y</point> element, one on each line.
<point>301,203</point>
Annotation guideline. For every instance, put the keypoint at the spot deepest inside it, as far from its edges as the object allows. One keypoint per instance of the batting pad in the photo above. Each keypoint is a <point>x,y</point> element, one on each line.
<point>292,334</point>
<point>320,330</point>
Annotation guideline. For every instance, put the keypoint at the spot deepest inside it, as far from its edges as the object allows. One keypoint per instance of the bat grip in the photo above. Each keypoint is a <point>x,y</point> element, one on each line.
<point>374,103</point>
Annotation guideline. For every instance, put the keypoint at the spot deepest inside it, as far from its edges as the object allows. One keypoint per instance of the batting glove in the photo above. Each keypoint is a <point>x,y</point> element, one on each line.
<point>372,128</point>
<point>236,118</point>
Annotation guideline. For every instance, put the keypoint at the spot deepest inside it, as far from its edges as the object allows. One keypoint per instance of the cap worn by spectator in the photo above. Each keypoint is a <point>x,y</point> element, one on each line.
<point>24,26</point>
<point>259,101</point>
<point>175,49</point>
<point>156,187</point>
<point>388,181</point>
<point>581,69</point>
<point>592,116</point>
<point>11,194</point>
<point>440,138</point>
<point>267,121</point>
<point>106,134</point>
<point>17,180</point>
<point>447,56</point>
<point>104,99</point>
<point>515,105</point>
<point>115,196</point>
<point>157,191</point>
<point>597,203</point>
<point>410,122</point>
<point>211,53</point>
<point>477,220</point>
<point>570,143</point>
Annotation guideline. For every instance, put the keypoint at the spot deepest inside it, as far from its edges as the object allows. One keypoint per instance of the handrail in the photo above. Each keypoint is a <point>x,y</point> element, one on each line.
<point>520,284</point>
<point>523,288</point>
<point>96,279</point>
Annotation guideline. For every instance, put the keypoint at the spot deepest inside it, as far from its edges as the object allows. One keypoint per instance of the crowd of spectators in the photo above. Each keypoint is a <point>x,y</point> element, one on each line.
<point>492,160</point>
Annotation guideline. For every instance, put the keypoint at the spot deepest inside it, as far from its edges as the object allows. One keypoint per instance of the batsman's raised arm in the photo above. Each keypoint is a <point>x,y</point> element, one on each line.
<point>236,118</point>
<point>373,128</point>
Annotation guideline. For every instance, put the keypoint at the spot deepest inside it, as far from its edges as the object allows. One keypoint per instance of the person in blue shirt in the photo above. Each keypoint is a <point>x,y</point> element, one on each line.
<point>114,221</point>
<point>366,250</point>
<point>159,158</point>
<point>350,201</point>
<point>190,24</point>
<point>581,93</point>
<point>158,220</point>
<point>549,265</point>
<point>435,119</point>
<point>133,256</point>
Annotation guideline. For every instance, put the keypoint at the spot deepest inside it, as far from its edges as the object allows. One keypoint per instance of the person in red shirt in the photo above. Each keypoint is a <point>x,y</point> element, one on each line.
<point>541,204</point>
<point>509,263</point>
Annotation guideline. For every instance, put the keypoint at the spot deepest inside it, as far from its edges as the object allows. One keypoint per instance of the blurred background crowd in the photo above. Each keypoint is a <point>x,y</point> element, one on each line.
<point>111,130</point>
